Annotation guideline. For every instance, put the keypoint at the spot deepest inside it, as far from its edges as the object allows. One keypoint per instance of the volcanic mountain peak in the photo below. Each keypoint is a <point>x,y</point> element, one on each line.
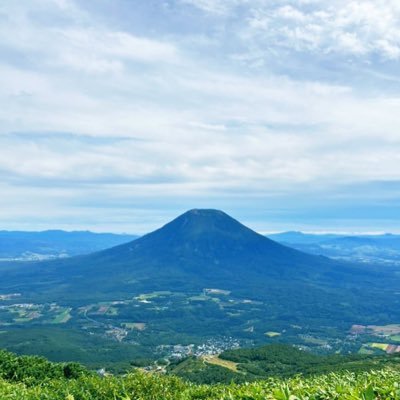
<point>205,212</point>
<point>198,214</point>
<point>203,217</point>
<point>205,244</point>
<point>197,223</point>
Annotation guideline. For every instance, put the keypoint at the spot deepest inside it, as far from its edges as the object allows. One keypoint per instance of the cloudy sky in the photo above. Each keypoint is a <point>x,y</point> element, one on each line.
<point>119,115</point>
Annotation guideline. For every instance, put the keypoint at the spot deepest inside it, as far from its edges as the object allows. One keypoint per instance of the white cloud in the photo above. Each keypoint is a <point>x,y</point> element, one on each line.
<point>347,27</point>
<point>219,7</point>
<point>81,45</point>
<point>95,50</point>
<point>150,118</point>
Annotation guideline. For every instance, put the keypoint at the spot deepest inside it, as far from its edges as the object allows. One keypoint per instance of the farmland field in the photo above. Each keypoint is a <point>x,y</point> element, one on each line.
<point>140,326</point>
<point>215,360</point>
<point>272,334</point>
<point>63,317</point>
<point>154,323</point>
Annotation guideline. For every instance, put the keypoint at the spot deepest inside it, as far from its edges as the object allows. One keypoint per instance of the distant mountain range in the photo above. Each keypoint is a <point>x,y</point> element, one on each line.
<point>202,276</point>
<point>18,245</point>
<point>52,244</point>
<point>377,249</point>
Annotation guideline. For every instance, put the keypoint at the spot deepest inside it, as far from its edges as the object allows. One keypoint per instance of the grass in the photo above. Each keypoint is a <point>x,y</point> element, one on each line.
<point>63,317</point>
<point>22,320</point>
<point>139,326</point>
<point>314,340</point>
<point>215,360</point>
<point>380,346</point>
<point>199,298</point>
<point>153,295</point>
<point>391,329</point>
<point>25,316</point>
<point>365,350</point>
<point>272,334</point>
<point>112,311</point>
<point>217,292</point>
<point>347,386</point>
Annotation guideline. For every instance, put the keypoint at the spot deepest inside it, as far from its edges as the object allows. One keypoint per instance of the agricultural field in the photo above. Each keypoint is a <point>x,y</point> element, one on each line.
<point>217,292</point>
<point>272,334</point>
<point>139,326</point>
<point>215,360</point>
<point>376,330</point>
<point>63,317</point>
<point>166,323</point>
<point>387,338</point>
<point>29,313</point>
<point>370,348</point>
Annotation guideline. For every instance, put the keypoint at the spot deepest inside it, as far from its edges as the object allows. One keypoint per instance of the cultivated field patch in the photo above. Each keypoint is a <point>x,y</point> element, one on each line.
<point>138,326</point>
<point>215,360</point>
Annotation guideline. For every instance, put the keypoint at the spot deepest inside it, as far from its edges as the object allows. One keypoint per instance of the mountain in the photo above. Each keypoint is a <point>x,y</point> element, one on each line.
<point>19,245</point>
<point>200,248</point>
<point>377,249</point>
<point>209,244</point>
<point>301,237</point>
<point>203,282</point>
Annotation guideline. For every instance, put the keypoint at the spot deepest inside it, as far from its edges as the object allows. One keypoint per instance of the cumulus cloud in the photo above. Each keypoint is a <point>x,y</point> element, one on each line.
<point>353,28</point>
<point>80,44</point>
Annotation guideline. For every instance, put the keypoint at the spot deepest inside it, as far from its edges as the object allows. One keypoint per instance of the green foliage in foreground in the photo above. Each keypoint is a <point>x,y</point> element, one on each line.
<point>141,386</point>
<point>33,370</point>
<point>35,378</point>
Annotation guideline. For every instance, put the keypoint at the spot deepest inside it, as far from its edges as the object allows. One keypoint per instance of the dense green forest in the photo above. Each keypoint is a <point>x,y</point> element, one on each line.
<point>33,378</point>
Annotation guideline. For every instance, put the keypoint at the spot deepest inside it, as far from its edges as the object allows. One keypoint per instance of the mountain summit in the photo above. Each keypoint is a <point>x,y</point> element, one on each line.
<point>197,222</point>
<point>210,230</point>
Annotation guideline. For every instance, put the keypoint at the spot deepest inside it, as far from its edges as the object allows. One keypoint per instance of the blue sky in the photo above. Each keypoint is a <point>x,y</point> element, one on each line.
<point>119,115</point>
